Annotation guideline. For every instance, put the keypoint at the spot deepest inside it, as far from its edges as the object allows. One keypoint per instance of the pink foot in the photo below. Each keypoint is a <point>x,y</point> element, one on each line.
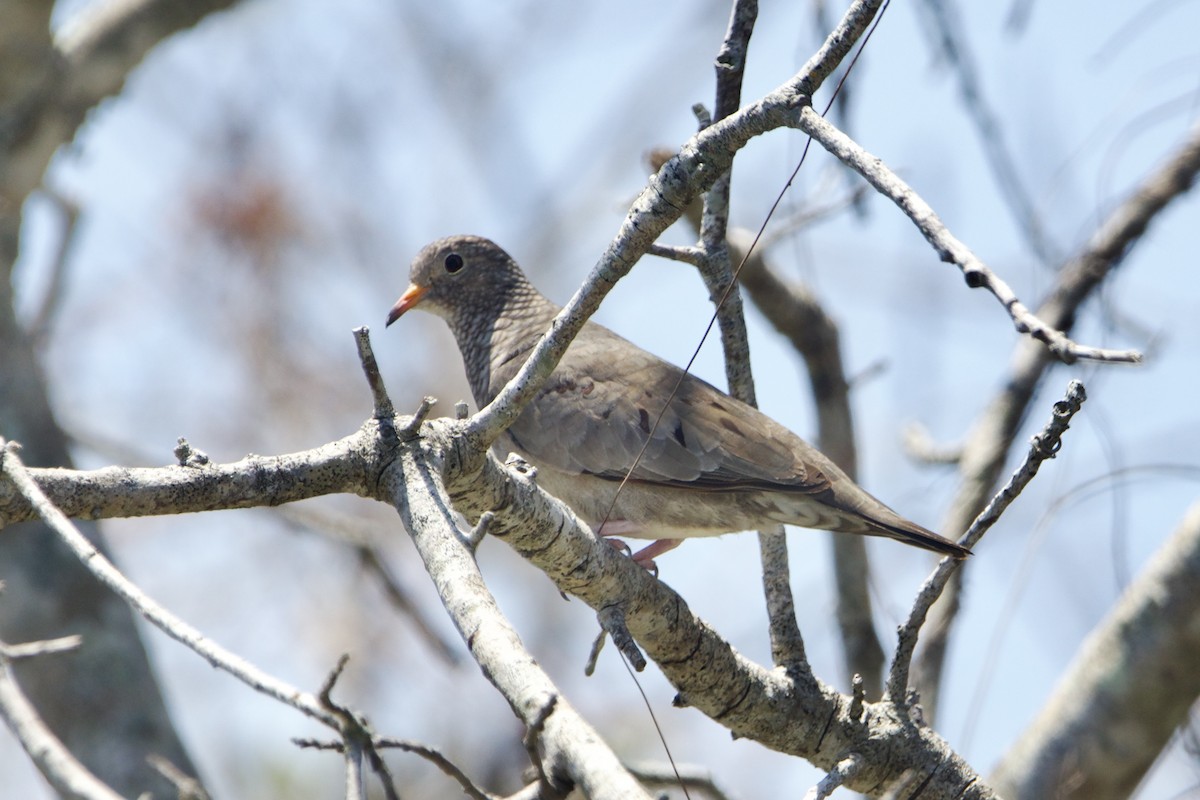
<point>647,554</point>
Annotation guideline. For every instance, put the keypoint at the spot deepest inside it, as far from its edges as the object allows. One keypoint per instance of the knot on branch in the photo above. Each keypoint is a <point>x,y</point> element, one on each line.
<point>975,278</point>
<point>188,456</point>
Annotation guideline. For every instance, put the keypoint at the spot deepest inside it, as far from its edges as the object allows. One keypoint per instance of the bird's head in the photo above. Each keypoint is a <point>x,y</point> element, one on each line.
<point>457,276</point>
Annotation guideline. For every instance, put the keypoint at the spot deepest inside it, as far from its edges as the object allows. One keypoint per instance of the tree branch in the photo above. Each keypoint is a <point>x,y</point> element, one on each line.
<point>949,38</point>
<point>1127,691</point>
<point>792,714</point>
<point>570,747</point>
<point>69,778</point>
<point>983,454</point>
<point>796,715</point>
<point>949,248</point>
<point>21,478</point>
<point>1045,445</point>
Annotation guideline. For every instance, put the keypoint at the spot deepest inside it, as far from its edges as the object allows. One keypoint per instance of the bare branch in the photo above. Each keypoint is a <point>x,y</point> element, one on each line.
<point>983,454</point>
<point>177,629</point>
<point>920,446</point>
<point>790,713</point>
<point>1044,446</point>
<point>1130,686</point>
<point>335,468</point>
<point>63,771</point>
<point>847,768</point>
<point>43,318</point>
<point>384,411</point>
<point>612,621</point>
<point>187,787</point>
<point>951,40</point>
<point>570,747</point>
<point>948,247</point>
<point>15,652</point>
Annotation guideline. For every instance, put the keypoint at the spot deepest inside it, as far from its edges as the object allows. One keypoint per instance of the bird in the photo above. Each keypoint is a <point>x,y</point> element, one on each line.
<point>709,464</point>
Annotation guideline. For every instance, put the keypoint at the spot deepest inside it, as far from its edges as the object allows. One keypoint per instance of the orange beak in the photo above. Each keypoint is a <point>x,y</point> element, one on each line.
<point>410,298</point>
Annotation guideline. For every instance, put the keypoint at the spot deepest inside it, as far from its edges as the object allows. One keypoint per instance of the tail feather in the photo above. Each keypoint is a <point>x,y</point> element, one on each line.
<point>914,534</point>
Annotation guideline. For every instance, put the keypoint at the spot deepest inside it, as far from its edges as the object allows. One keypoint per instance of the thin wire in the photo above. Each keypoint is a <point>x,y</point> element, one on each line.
<point>657,728</point>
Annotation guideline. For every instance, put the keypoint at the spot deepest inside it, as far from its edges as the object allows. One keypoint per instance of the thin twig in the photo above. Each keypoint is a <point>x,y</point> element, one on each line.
<point>187,787</point>
<point>410,428</point>
<point>949,248</point>
<point>58,766</point>
<point>15,652</point>
<point>43,319</point>
<point>846,769</point>
<point>1045,445</point>
<point>530,741</point>
<point>384,410</point>
<point>430,754</point>
<point>950,38</point>
<point>993,433</point>
<point>140,602</point>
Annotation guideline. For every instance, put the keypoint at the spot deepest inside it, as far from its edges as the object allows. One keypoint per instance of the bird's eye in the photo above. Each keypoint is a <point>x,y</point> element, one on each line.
<point>454,262</point>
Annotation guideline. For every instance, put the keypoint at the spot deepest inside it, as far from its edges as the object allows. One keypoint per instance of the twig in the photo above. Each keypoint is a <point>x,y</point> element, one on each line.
<point>15,652</point>
<point>357,740</point>
<point>612,621</point>
<point>140,602</point>
<point>530,742</point>
<point>920,446</point>
<point>61,769</point>
<point>993,433</point>
<point>384,411</point>
<point>39,327</point>
<point>846,769</point>
<point>430,754</point>
<point>687,254</point>
<point>950,39</point>
<point>858,696</point>
<point>1045,445</point>
<point>716,267</point>
<point>361,540</point>
<point>480,529</point>
<point>949,248</point>
<point>787,643</point>
<point>410,428</point>
<point>187,786</point>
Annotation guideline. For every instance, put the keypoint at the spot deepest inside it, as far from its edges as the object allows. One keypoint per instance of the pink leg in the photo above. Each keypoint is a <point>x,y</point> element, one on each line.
<point>647,554</point>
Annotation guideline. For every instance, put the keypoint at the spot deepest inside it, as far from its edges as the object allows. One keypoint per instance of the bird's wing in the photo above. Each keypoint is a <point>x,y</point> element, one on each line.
<point>602,403</point>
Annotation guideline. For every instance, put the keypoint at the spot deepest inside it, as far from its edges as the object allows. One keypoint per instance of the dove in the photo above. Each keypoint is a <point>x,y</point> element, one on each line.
<point>711,464</point>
